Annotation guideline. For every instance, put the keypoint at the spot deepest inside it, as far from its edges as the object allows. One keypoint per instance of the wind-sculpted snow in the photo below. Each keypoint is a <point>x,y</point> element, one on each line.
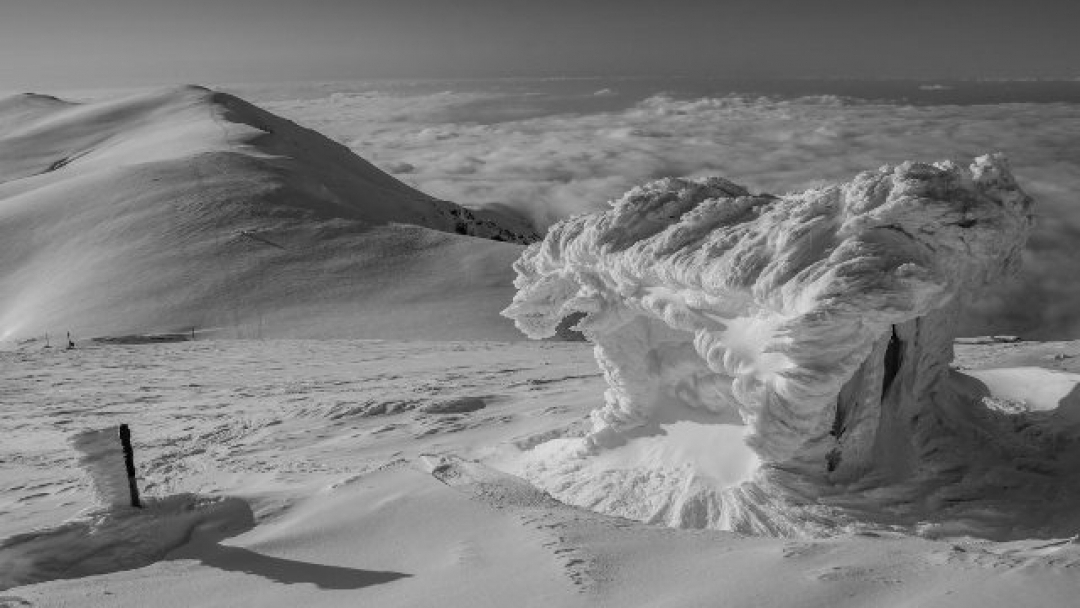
<point>821,323</point>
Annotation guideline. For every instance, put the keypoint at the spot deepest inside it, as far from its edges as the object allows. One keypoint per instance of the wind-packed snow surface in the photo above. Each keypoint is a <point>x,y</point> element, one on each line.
<point>815,328</point>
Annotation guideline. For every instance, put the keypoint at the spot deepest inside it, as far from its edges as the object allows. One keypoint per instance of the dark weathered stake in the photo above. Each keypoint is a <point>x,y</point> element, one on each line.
<point>129,462</point>
<point>894,358</point>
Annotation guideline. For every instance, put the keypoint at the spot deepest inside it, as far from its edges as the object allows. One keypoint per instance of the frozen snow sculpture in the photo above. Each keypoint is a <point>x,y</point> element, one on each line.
<point>102,455</point>
<point>819,324</point>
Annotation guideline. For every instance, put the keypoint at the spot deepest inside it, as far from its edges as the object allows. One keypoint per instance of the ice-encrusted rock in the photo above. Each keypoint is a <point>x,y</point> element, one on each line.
<point>822,321</point>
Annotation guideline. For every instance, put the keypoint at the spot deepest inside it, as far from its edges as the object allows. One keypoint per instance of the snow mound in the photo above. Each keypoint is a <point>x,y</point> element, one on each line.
<point>817,328</point>
<point>188,207</point>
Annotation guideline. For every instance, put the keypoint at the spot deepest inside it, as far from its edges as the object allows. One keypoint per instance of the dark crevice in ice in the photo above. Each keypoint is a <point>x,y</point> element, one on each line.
<point>893,360</point>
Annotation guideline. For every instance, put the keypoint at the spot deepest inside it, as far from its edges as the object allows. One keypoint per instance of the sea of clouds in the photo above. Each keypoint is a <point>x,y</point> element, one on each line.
<point>550,155</point>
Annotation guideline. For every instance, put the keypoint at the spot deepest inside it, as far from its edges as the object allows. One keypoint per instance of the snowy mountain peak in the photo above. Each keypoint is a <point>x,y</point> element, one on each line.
<point>157,211</point>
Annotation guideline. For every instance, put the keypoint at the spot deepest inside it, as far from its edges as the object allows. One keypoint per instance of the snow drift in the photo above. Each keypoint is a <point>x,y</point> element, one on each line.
<point>818,325</point>
<point>192,208</point>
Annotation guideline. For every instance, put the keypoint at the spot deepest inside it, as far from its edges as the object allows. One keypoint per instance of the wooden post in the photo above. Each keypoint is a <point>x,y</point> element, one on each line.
<point>129,462</point>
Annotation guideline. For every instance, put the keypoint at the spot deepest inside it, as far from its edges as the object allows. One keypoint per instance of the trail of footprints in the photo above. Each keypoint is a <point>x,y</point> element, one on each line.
<point>576,563</point>
<point>533,508</point>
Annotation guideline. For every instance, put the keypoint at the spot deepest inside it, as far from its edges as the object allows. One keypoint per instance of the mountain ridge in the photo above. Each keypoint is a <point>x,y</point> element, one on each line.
<point>155,212</point>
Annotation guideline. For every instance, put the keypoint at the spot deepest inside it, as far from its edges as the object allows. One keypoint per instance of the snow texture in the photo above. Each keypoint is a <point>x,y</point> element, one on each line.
<point>343,511</point>
<point>821,321</point>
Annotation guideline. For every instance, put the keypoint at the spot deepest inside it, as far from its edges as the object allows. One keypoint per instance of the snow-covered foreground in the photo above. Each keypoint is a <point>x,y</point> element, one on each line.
<point>334,473</point>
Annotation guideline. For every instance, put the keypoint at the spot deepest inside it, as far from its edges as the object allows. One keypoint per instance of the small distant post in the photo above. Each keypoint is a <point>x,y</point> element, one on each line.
<point>129,462</point>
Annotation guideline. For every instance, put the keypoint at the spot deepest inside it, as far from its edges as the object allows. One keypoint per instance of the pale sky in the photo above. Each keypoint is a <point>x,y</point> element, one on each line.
<point>111,43</point>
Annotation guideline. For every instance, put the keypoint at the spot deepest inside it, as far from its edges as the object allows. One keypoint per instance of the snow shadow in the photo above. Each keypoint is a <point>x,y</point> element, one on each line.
<point>205,546</point>
<point>172,528</point>
<point>289,572</point>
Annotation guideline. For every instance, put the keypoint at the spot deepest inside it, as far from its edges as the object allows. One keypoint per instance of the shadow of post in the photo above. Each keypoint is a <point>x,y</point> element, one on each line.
<point>205,546</point>
<point>176,527</point>
<point>287,571</point>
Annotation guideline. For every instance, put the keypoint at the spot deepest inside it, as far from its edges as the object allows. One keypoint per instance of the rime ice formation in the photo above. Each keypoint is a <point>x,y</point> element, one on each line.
<point>820,323</point>
<point>101,456</point>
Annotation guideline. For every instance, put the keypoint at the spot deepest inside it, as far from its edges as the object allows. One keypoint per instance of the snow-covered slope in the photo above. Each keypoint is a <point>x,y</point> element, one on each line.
<point>335,473</point>
<point>192,208</point>
<point>817,327</point>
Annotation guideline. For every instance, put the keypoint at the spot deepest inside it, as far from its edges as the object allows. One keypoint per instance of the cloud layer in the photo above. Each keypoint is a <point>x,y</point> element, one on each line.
<point>550,157</point>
